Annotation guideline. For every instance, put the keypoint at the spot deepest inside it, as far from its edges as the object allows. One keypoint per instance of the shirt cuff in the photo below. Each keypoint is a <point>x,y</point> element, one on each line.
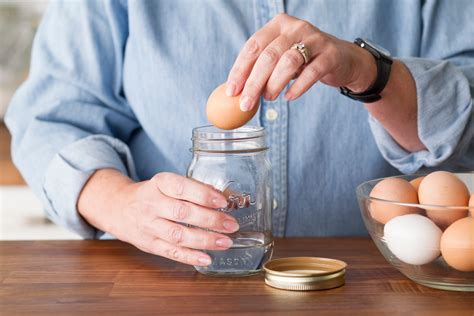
<point>69,171</point>
<point>444,110</point>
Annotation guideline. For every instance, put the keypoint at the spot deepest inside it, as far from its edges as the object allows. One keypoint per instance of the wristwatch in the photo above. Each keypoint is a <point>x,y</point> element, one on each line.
<point>384,65</point>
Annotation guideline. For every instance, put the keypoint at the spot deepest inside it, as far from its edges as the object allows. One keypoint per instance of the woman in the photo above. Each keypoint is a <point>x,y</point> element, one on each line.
<point>101,127</point>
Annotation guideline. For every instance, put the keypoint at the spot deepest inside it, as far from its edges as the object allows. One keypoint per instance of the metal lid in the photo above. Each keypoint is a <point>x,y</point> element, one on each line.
<point>305,273</point>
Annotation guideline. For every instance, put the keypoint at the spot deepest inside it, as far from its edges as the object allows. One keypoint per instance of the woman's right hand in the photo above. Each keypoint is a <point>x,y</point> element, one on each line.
<point>150,214</point>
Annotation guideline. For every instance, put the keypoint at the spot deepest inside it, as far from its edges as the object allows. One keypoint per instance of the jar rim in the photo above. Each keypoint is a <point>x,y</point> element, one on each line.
<point>212,133</point>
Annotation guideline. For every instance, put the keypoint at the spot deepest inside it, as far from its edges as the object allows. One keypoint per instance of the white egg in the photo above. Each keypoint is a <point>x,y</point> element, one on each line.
<point>413,238</point>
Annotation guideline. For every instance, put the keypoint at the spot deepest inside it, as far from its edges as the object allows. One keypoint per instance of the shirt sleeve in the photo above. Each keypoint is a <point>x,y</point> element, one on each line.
<point>70,117</point>
<point>444,77</point>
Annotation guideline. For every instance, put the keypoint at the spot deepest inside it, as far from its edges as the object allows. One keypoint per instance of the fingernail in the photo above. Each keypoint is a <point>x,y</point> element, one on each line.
<point>245,104</point>
<point>205,261</point>
<point>230,89</point>
<point>224,242</point>
<point>231,226</point>
<point>219,202</point>
<point>289,96</point>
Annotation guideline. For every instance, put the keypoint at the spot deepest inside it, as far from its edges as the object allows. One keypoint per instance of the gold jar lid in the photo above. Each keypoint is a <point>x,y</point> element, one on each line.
<point>305,273</point>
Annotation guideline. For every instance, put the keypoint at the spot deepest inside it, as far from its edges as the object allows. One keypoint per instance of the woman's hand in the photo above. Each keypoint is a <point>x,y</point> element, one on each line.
<point>150,214</point>
<point>266,63</point>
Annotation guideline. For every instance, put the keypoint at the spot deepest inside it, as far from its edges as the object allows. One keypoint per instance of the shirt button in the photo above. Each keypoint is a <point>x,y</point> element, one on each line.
<point>275,204</point>
<point>271,114</point>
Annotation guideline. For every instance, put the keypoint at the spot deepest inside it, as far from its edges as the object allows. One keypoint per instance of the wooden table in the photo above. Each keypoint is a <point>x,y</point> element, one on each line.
<point>74,277</point>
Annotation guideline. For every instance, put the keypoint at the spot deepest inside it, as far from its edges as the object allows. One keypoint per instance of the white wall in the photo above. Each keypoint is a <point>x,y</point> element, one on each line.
<point>18,22</point>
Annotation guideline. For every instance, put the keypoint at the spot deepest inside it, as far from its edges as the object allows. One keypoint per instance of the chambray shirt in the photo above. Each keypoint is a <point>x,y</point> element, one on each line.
<point>117,84</point>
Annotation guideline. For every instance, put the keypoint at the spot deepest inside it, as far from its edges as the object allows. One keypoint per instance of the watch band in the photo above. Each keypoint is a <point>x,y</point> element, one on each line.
<point>384,65</point>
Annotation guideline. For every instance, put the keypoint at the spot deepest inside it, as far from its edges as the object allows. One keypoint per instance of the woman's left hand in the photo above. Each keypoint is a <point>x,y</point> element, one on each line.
<point>266,64</point>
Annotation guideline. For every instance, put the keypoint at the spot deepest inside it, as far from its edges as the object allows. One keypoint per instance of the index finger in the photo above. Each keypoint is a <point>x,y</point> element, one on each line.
<point>191,190</point>
<point>248,56</point>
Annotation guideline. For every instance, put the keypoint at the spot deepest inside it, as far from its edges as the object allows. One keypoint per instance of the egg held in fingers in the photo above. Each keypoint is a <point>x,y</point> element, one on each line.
<point>224,112</point>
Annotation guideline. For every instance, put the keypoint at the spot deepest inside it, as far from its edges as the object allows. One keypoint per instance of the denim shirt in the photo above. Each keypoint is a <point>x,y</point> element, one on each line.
<point>116,84</point>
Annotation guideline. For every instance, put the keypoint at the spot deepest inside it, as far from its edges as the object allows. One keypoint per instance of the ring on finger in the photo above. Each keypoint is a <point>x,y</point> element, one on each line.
<point>303,50</point>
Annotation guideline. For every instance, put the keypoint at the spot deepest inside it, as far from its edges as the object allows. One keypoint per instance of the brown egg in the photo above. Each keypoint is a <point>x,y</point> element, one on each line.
<point>444,189</point>
<point>457,244</point>
<point>471,204</point>
<point>224,112</point>
<point>392,189</point>
<point>416,182</point>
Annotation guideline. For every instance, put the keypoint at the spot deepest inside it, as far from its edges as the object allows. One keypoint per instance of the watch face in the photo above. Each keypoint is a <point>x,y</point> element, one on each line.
<point>377,47</point>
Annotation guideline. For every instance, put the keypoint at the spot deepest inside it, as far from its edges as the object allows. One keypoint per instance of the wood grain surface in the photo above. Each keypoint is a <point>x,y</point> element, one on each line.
<point>111,277</point>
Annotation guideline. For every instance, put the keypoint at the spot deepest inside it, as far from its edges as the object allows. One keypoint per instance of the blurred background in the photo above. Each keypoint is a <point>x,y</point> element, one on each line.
<point>21,214</point>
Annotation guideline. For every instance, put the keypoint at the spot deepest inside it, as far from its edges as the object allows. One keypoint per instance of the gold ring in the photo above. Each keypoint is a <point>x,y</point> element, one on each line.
<point>303,50</point>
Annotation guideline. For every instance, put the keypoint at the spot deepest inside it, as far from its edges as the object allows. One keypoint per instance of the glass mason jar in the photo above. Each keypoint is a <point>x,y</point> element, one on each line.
<point>235,163</point>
